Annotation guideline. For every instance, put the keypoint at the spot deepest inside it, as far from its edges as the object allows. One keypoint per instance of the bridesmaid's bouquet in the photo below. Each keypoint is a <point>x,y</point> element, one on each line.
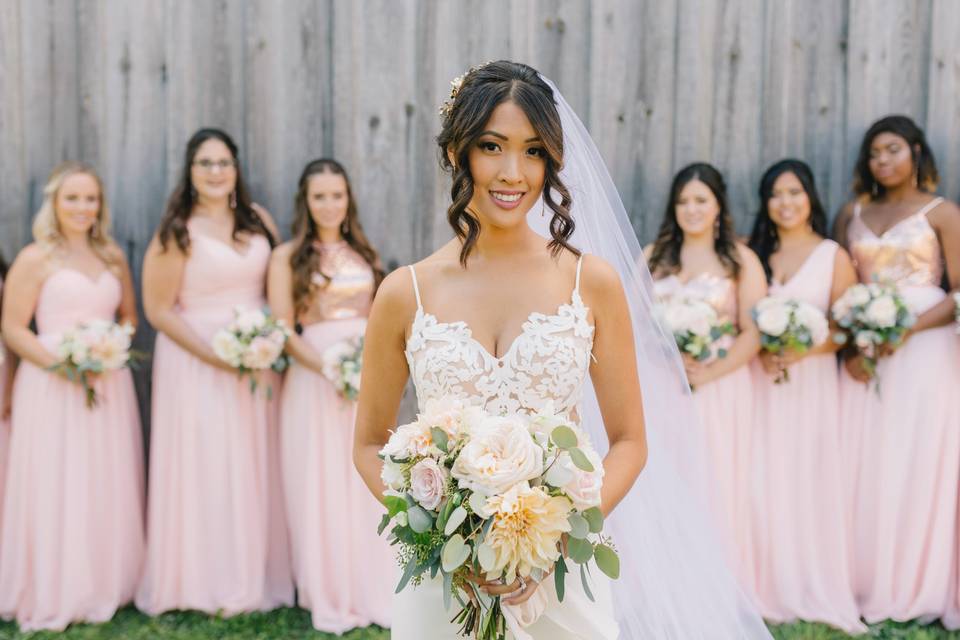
<point>95,347</point>
<point>342,362</point>
<point>695,326</point>
<point>789,325</point>
<point>253,342</point>
<point>871,315</point>
<point>474,495</point>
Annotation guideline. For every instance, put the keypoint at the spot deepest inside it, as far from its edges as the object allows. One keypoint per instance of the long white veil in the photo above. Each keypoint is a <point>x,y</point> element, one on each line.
<point>674,581</point>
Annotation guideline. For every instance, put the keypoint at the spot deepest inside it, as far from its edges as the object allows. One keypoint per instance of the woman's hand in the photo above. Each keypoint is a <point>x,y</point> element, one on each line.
<point>887,349</point>
<point>857,368</point>
<point>776,363</point>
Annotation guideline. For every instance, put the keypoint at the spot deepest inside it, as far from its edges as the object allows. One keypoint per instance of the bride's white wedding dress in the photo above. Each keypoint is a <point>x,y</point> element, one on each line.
<point>545,367</point>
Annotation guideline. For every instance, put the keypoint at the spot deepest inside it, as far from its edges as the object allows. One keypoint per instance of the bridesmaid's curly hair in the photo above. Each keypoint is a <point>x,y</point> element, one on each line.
<point>765,239</point>
<point>484,89</point>
<point>305,259</point>
<point>924,164</point>
<point>665,256</point>
<point>173,226</point>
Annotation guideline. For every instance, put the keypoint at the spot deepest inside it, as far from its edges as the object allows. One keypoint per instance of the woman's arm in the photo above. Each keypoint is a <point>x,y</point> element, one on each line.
<point>841,223</point>
<point>615,380</point>
<point>384,374</point>
<point>21,292</point>
<point>162,278</point>
<point>751,288</point>
<point>127,313</point>
<point>280,298</point>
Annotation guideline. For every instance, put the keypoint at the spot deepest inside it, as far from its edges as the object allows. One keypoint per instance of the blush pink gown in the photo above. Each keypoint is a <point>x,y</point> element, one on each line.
<point>216,537</point>
<point>71,546</point>
<point>4,423</point>
<point>727,418</point>
<point>903,443</point>
<point>800,520</point>
<point>344,572</point>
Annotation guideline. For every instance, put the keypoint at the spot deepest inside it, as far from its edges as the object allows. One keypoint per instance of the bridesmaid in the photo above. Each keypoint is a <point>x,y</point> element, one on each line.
<point>904,440</point>
<point>697,255</point>
<point>6,379</point>
<point>216,538</point>
<point>324,281</point>
<point>802,558</point>
<point>71,546</point>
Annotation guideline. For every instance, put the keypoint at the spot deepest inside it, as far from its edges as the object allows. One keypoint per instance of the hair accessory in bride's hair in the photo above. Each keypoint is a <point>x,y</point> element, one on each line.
<point>447,106</point>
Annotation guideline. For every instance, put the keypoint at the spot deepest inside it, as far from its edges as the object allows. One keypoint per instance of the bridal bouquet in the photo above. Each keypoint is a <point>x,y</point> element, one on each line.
<point>95,347</point>
<point>789,325</point>
<point>695,326</point>
<point>342,362</point>
<point>253,342</point>
<point>871,315</point>
<point>479,496</point>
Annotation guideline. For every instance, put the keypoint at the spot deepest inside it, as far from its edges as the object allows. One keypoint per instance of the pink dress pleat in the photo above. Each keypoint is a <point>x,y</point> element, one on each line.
<point>345,573</point>
<point>216,537</point>
<point>903,440</point>
<point>727,417</point>
<point>71,545</point>
<point>4,424</point>
<point>800,520</point>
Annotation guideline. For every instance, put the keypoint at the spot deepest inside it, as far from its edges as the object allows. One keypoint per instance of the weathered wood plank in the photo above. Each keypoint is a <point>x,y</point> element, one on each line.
<point>943,105</point>
<point>13,169</point>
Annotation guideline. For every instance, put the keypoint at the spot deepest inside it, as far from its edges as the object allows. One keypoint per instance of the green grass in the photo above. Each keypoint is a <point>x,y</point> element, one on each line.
<point>294,624</point>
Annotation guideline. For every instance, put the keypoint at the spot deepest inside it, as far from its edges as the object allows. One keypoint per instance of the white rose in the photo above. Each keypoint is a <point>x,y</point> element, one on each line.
<point>815,322</point>
<point>774,320</point>
<point>584,487</point>
<point>249,321</point>
<point>882,312</point>
<point>500,453</point>
<point>227,348</point>
<point>857,295</point>
<point>427,482</point>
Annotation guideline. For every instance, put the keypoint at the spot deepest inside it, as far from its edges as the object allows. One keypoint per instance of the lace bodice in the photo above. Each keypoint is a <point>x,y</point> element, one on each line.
<point>546,364</point>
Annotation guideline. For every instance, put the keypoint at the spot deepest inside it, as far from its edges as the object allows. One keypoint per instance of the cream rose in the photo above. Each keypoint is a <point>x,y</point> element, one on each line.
<point>774,320</point>
<point>427,482</point>
<point>500,453</point>
<point>882,312</point>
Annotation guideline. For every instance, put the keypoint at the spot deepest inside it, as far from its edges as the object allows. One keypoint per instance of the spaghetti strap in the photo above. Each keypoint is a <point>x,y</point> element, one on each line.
<point>576,287</point>
<point>929,206</point>
<point>416,289</point>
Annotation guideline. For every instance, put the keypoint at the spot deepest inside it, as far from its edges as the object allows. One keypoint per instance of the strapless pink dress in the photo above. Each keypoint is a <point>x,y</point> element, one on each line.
<point>71,546</point>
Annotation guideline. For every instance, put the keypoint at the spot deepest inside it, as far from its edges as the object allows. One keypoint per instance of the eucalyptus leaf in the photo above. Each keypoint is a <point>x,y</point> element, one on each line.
<point>607,560</point>
<point>439,437</point>
<point>478,503</point>
<point>595,518</point>
<point>407,574</point>
<point>447,590</point>
<point>456,519</point>
<point>585,582</point>
<point>564,437</point>
<point>455,552</point>
<point>580,459</point>
<point>486,556</point>
<point>420,520</point>
<point>579,527</point>
<point>579,551</point>
<point>394,505</point>
<point>559,577</point>
<point>384,521</point>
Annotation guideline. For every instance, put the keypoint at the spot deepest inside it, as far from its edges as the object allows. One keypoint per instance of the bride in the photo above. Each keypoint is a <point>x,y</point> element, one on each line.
<point>519,314</point>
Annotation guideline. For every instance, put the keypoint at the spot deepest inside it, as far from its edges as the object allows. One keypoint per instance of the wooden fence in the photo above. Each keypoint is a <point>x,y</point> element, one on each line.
<point>741,83</point>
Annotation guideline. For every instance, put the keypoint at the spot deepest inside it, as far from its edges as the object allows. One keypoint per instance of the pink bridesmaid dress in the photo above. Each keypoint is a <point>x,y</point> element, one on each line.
<point>342,568</point>
<point>903,442</point>
<point>726,413</point>
<point>216,531</point>
<point>71,546</point>
<point>4,423</point>
<point>800,519</point>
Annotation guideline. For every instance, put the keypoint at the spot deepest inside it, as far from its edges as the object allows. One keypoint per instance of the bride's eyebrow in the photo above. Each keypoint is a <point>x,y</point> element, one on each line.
<point>504,138</point>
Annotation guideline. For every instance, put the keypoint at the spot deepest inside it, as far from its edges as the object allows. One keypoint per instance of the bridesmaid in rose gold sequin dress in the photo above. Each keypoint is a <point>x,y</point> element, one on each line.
<point>342,568</point>
<point>696,223</point>
<point>903,440</point>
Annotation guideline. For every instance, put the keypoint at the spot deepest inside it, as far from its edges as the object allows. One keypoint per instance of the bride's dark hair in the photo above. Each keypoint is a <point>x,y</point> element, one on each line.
<point>482,90</point>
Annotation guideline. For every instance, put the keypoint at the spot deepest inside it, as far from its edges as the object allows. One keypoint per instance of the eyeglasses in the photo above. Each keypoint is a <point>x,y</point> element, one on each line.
<point>210,165</point>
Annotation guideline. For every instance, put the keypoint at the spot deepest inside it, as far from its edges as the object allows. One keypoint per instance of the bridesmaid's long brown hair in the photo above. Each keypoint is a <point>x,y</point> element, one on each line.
<point>305,259</point>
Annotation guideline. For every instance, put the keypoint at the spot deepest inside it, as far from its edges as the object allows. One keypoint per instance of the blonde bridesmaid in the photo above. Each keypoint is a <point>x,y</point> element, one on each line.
<point>801,544</point>
<point>71,546</point>
<point>324,280</point>
<point>697,255</point>
<point>903,439</point>
<point>216,539</point>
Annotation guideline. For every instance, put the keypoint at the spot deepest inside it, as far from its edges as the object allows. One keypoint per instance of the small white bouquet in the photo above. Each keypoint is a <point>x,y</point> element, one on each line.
<point>695,325</point>
<point>253,342</point>
<point>871,315</point>
<point>342,362</point>
<point>95,347</point>
<point>472,494</point>
<point>789,325</point>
